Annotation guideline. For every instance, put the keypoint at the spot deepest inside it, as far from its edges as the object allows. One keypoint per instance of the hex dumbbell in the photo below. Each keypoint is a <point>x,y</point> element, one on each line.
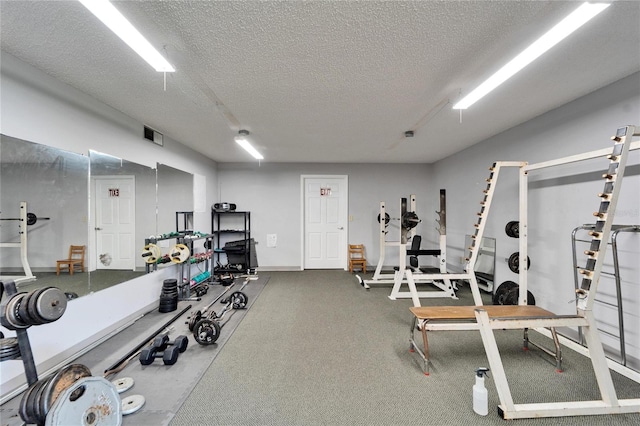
<point>163,348</point>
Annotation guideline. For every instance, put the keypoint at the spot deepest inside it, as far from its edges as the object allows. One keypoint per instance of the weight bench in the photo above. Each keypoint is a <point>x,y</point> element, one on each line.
<point>432,318</point>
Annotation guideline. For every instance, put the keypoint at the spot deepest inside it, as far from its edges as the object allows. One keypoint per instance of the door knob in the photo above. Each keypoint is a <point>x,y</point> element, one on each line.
<point>340,227</point>
<point>98,229</point>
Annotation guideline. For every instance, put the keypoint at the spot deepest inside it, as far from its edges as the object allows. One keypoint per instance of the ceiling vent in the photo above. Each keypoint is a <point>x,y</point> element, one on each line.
<point>153,136</point>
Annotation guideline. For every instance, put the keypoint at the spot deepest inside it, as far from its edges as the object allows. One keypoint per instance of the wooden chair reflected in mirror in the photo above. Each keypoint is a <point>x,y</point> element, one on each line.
<point>74,261</point>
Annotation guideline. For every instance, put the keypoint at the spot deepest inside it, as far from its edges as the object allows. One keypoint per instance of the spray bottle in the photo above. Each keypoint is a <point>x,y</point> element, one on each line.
<point>480,394</point>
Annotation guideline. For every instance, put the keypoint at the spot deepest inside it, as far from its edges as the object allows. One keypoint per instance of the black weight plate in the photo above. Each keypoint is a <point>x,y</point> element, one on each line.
<point>22,310</point>
<point>512,229</point>
<point>239,300</point>
<point>514,262</point>
<point>32,307</point>
<point>147,356</point>
<point>195,317</point>
<point>511,298</point>
<point>181,343</point>
<point>26,410</point>
<point>206,331</point>
<point>501,292</point>
<point>31,219</point>
<point>387,218</point>
<point>170,355</point>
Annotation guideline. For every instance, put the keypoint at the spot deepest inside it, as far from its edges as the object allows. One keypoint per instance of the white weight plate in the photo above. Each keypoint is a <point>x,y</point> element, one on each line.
<point>123,384</point>
<point>132,403</point>
<point>92,400</point>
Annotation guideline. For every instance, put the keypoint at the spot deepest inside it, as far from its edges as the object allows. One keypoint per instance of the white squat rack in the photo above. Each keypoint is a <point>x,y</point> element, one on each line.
<point>23,246</point>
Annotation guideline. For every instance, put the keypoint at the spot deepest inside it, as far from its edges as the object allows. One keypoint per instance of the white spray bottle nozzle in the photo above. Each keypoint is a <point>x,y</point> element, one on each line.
<point>482,371</point>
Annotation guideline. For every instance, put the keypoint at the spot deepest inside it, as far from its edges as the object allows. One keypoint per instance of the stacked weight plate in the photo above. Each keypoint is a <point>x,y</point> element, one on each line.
<point>169,296</point>
<point>9,349</point>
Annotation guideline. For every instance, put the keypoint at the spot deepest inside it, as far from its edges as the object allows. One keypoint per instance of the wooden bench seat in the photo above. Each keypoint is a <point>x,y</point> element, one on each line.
<point>430,318</point>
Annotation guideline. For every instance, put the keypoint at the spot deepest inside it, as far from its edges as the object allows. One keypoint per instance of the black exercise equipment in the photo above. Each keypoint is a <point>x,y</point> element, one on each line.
<point>508,293</point>
<point>512,229</point>
<point>207,330</point>
<point>514,262</point>
<point>31,218</point>
<point>163,348</point>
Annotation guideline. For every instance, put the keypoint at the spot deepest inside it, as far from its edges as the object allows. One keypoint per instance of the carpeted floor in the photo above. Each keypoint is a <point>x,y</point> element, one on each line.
<point>317,349</point>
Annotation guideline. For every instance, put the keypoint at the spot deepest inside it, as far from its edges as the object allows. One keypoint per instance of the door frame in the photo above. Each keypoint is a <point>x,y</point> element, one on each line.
<point>93,241</point>
<point>344,214</point>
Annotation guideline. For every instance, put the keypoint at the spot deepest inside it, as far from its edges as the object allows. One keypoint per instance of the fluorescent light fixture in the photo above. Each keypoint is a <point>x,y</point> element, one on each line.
<point>241,140</point>
<point>117,23</point>
<point>575,20</point>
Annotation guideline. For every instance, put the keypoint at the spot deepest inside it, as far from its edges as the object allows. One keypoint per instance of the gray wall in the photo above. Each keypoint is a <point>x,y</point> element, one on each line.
<point>560,199</point>
<point>272,193</point>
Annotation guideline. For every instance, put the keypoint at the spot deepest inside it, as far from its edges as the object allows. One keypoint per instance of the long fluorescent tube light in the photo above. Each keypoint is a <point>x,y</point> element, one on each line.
<point>243,142</point>
<point>117,23</point>
<point>575,20</point>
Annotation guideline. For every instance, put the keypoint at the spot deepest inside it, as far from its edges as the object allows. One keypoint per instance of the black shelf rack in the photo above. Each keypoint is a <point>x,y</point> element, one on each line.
<point>233,249</point>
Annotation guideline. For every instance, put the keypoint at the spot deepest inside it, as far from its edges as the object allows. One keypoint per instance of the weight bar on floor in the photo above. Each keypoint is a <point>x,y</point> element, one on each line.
<point>207,330</point>
<point>514,262</point>
<point>31,218</point>
<point>111,369</point>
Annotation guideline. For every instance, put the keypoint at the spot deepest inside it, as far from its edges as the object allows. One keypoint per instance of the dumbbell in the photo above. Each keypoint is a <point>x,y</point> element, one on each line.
<point>162,342</point>
<point>163,348</point>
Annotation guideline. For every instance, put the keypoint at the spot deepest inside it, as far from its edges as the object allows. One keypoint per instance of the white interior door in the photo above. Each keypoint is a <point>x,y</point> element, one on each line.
<point>115,222</point>
<point>325,222</point>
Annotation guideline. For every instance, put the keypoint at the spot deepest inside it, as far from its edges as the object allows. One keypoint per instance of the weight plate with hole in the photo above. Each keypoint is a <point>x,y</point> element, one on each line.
<point>206,331</point>
<point>387,218</point>
<point>131,404</point>
<point>88,401</point>
<point>501,292</point>
<point>61,380</point>
<point>514,262</point>
<point>511,298</point>
<point>51,304</point>
<point>410,220</point>
<point>512,229</point>
<point>123,384</point>
<point>239,300</point>
<point>151,253</point>
<point>179,253</point>
<point>170,355</point>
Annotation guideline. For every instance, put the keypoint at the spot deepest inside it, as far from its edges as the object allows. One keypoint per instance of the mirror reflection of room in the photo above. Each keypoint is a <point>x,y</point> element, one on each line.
<point>48,187</point>
<point>123,211</point>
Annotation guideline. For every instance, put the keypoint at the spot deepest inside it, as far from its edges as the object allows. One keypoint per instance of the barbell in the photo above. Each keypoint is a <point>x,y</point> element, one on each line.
<point>409,220</point>
<point>31,218</point>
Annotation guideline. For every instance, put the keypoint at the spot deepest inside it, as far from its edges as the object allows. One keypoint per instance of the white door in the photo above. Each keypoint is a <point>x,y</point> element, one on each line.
<point>115,222</point>
<point>325,222</point>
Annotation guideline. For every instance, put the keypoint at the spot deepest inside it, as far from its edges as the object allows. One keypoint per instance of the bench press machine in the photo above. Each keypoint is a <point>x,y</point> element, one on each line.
<point>411,274</point>
<point>487,318</point>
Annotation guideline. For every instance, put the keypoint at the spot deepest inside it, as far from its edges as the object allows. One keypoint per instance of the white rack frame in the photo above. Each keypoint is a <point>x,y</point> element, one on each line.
<point>23,246</point>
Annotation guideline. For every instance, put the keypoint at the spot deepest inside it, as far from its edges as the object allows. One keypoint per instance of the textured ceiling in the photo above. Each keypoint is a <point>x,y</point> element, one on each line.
<point>326,81</point>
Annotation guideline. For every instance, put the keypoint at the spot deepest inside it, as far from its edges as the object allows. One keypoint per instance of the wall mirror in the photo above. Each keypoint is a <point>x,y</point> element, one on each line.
<point>122,214</point>
<point>175,195</point>
<point>52,185</point>
<point>486,263</point>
